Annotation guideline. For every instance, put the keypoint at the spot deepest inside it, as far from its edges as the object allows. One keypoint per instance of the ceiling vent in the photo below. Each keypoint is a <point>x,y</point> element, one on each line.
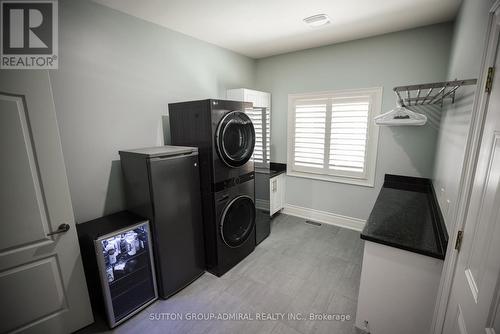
<point>317,20</point>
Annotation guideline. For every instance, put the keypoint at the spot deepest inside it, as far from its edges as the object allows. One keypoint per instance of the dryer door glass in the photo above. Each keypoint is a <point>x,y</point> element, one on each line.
<point>235,138</point>
<point>238,220</point>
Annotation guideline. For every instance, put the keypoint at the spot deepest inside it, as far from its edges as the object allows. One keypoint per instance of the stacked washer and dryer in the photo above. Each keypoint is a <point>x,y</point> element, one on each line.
<point>225,138</point>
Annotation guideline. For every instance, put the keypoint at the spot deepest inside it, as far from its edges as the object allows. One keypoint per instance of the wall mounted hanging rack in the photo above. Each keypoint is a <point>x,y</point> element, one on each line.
<point>430,93</point>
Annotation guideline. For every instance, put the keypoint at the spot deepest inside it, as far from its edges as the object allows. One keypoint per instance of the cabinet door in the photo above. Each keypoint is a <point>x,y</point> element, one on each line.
<point>273,198</point>
<point>251,96</point>
<point>281,191</point>
<point>265,99</point>
<point>259,99</point>
<point>277,193</point>
<point>236,94</point>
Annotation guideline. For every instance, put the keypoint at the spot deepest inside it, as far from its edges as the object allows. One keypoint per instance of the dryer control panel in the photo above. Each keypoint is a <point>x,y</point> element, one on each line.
<point>234,181</point>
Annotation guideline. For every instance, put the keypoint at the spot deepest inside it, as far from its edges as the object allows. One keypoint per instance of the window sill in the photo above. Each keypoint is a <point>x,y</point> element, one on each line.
<point>331,178</point>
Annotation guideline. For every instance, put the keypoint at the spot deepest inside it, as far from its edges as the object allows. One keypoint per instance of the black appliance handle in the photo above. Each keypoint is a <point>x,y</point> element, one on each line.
<point>171,157</point>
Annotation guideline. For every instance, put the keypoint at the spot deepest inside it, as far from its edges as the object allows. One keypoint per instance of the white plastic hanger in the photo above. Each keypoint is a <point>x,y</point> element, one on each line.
<point>400,116</point>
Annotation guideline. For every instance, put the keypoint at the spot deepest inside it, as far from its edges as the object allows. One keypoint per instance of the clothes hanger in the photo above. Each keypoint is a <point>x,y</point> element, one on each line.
<point>400,116</point>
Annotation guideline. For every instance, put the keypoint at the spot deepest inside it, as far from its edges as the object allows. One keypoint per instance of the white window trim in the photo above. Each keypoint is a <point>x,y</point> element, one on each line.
<point>372,142</point>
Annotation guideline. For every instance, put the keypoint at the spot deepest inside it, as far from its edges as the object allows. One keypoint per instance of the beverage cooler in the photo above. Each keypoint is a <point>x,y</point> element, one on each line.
<point>118,261</point>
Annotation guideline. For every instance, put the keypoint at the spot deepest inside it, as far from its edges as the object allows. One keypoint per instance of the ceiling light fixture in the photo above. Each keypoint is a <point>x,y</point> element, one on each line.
<point>317,20</point>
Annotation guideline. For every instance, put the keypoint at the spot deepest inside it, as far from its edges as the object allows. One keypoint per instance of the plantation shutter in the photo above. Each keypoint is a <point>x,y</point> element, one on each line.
<point>260,119</point>
<point>330,135</point>
<point>310,131</point>
<point>348,136</point>
<point>267,137</point>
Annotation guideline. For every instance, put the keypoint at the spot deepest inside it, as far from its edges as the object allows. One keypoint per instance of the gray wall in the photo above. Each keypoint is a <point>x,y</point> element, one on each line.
<point>118,73</point>
<point>116,76</point>
<point>465,61</point>
<point>407,57</point>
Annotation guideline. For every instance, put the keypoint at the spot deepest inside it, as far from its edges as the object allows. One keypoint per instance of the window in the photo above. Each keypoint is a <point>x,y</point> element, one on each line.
<point>331,135</point>
<point>261,121</point>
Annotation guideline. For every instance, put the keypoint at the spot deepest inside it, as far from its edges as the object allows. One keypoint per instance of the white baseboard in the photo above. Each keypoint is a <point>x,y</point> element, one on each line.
<point>325,217</point>
<point>262,204</point>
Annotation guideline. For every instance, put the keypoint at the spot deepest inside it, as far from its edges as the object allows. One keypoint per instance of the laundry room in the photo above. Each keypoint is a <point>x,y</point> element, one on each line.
<point>250,166</point>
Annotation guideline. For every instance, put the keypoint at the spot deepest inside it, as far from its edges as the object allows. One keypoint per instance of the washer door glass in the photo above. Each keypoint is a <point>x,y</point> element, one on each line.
<point>235,138</point>
<point>238,220</point>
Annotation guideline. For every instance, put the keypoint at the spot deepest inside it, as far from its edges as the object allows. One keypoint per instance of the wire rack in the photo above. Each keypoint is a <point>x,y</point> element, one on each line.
<point>430,93</point>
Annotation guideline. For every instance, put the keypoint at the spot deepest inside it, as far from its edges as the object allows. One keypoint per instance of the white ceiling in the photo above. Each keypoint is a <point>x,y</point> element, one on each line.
<point>261,28</point>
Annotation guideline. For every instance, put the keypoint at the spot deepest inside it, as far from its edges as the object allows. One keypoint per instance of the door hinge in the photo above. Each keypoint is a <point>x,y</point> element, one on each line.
<point>489,79</point>
<point>458,242</point>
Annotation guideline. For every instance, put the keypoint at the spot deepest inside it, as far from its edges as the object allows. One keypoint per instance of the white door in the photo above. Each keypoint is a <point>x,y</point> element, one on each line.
<point>474,302</point>
<point>42,284</point>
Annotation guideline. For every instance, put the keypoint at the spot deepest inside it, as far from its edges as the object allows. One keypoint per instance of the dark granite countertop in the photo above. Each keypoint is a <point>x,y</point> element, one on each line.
<point>276,169</point>
<point>274,173</point>
<point>406,215</point>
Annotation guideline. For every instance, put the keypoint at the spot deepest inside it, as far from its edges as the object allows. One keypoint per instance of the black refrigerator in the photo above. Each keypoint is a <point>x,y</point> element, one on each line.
<point>163,184</point>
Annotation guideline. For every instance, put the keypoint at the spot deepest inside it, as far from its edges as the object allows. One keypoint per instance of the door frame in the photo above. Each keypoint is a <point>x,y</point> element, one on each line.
<point>459,217</point>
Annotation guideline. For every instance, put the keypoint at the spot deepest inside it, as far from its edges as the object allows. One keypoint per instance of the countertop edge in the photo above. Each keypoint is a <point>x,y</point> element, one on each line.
<point>403,247</point>
<point>276,173</point>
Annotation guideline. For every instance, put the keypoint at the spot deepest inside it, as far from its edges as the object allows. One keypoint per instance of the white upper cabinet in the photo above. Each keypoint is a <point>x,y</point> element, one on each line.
<point>260,115</point>
<point>258,98</point>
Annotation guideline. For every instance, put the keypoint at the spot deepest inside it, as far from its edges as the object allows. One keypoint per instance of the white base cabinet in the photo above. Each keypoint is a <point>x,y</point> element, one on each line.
<point>277,193</point>
<point>398,290</point>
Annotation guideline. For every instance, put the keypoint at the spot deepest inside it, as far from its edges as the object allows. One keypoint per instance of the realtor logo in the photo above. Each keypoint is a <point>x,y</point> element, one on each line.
<point>29,34</point>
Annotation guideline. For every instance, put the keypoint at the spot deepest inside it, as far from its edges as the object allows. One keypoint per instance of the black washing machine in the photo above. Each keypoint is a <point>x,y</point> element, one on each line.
<point>229,223</point>
<point>234,228</point>
<point>225,138</point>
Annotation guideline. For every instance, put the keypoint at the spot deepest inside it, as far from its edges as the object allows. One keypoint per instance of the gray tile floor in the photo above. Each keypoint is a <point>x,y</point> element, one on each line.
<point>299,268</point>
